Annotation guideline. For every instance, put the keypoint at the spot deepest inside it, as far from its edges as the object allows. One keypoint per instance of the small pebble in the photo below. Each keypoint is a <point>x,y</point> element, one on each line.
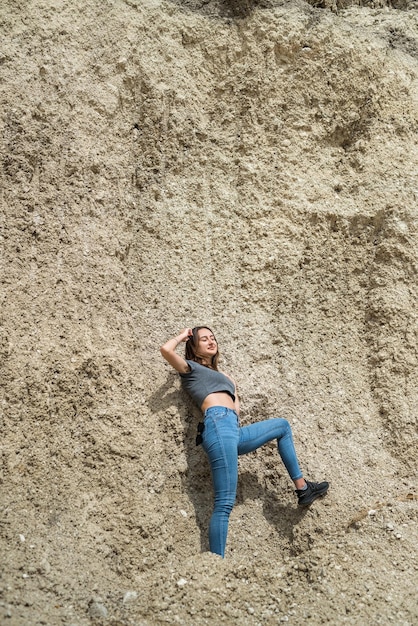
<point>45,566</point>
<point>129,596</point>
<point>97,609</point>
<point>181,582</point>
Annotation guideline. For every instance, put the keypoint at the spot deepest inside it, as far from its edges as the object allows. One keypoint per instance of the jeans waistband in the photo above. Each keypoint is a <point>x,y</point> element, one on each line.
<point>218,409</point>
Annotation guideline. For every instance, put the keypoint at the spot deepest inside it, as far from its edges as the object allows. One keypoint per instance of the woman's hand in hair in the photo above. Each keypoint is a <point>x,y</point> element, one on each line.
<point>186,333</point>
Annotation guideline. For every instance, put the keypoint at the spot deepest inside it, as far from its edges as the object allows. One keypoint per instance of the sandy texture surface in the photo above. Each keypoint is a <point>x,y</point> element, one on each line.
<point>248,165</point>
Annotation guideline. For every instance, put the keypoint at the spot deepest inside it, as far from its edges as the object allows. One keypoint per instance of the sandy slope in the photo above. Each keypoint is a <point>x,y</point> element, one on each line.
<point>248,165</point>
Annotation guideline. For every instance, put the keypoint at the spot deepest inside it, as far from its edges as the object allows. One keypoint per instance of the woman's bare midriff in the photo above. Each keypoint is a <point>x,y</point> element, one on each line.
<point>218,399</point>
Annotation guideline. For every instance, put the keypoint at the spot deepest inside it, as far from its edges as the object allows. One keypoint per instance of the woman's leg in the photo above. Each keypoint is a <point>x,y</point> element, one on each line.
<point>255,435</point>
<point>220,442</point>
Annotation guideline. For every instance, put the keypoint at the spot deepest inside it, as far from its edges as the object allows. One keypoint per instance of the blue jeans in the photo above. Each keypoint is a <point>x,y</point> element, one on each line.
<point>223,441</point>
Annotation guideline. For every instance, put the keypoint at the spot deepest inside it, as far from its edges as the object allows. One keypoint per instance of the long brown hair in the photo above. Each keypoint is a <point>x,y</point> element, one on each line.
<point>191,347</point>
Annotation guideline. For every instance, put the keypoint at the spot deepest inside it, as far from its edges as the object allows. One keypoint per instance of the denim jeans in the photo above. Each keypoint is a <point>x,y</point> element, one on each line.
<point>223,441</point>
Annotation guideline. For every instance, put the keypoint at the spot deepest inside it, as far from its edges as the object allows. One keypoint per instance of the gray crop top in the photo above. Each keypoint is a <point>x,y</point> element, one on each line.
<point>201,381</point>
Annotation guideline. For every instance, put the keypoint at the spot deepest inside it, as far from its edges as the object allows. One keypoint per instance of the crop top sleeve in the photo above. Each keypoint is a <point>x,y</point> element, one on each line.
<point>200,381</point>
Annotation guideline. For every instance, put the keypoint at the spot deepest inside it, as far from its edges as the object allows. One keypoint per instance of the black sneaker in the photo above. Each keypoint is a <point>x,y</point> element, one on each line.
<point>314,491</point>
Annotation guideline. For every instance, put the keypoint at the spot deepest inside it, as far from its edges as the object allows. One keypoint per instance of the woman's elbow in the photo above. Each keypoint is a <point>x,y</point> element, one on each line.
<point>166,352</point>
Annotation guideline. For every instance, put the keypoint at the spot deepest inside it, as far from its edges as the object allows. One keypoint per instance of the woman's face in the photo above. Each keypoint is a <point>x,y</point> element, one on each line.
<point>207,345</point>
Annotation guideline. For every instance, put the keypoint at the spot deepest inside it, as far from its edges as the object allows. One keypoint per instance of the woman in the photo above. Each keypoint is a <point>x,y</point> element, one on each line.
<point>221,435</point>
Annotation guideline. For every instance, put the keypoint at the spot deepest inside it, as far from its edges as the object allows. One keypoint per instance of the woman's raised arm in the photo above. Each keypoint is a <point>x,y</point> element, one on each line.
<point>168,350</point>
